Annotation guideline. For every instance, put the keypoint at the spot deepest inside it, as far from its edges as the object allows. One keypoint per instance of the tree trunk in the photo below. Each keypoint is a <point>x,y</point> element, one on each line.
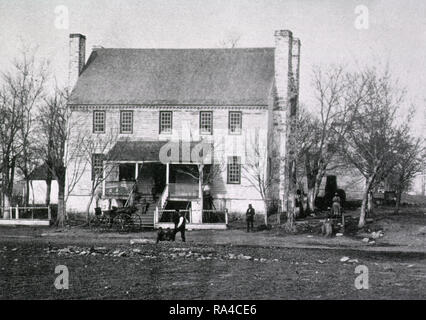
<point>398,201</point>
<point>92,195</point>
<point>6,206</point>
<point>279,211</point>
<point>32,191</point>
<point>60,218</point>
<point>291,198</point>
<point>365,197</point>
<point>27,192</point>
<point>48,191</point>
<point>370,204</point>
<point>265,204</point>
<point>311,200</point>
<point>6,188</point>
<point>290,226</point>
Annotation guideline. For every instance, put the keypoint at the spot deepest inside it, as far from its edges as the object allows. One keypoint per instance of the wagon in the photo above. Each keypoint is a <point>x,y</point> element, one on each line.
<point>118,219</point>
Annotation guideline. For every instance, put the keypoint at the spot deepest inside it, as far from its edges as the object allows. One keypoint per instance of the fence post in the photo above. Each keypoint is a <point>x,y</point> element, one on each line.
<point>11,212</point>
<point>226,216</point>
<point>49,213</point>
<point>17,212</point>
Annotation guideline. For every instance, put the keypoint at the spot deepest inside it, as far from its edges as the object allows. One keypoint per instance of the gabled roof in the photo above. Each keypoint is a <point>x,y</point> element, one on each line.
<point>240,76</point>
<point>40,173</point>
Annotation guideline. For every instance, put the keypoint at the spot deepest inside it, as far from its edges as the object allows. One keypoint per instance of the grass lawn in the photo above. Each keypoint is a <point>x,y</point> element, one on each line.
<point>228,264</point>
<point>168,271</point>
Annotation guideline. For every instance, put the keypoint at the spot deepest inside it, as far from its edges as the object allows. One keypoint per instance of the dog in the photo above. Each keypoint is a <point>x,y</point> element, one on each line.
<point>165,235</point>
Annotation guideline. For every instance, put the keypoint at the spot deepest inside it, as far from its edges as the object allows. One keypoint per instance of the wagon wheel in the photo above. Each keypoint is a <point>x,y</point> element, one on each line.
<point>122,222</point>
<point>94,223</point>
<point>118,223</point>
<point>137,221</point>
<point>105,223</point>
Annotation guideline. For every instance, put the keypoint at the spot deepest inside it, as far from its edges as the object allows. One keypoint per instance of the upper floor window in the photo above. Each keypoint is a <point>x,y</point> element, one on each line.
<point>126,122</point>
<point>206,122</point>
<point>235,122</point>
<point>234,170</point>
<point>98,121</point>
<point>97,166</point>
<point>166,121</point>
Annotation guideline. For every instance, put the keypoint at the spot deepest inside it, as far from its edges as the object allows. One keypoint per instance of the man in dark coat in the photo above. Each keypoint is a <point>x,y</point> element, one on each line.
<point>180,227</point>
<point>250,218</point>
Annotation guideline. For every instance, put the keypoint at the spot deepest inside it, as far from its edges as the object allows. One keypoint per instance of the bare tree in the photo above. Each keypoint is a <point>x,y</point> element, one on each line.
<point>21,91</point>
<point>94,150</point>
<point>320,131</point>
<point>10,115</point>
<point>407,163</point>
<point>255,170</point>
<point>230,41</point>
<point>54,129</point>
<point>30,81</point>
<point>370,141</point>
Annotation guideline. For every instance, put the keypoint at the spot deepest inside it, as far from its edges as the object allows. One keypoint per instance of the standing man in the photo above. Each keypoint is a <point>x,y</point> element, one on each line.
<point>175,219</point>
<point>180,227</point>
<point>336,205</point>
<point>250,218</point>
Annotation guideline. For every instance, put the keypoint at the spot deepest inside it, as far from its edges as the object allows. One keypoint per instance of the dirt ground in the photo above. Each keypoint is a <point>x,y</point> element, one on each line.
<point>229,264</point>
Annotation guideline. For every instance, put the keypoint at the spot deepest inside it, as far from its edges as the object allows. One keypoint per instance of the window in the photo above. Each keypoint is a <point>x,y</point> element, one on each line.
<point>206,122</point>
<point>126,122</point>
<point>97,165</point>
<point>234,170</point>
<point>235,122</point>
<point>98,121</point>
<point>166,120</point>
<point>127,171</point>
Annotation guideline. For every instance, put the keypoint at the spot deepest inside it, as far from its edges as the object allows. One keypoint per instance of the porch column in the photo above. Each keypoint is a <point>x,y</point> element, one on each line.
<point>103,179</point>
<point>136,171</point>
<point>167,173</point>
<point>200,188</point>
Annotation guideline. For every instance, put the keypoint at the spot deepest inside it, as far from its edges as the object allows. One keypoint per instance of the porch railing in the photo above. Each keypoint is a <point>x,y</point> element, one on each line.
<point>26,213</point>
<point>215,216</point>
<point>168,215</point>
<point>118,188</point>
<point>183,190</point>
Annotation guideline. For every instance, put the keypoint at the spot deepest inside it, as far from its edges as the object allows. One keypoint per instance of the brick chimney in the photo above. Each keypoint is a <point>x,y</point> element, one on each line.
<point>283,74</point>
<point>283,112</point>
<point>295,63</point>
<point>77,57</point>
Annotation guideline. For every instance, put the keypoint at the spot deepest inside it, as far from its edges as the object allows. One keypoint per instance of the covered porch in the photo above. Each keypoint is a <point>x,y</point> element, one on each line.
<point>135,176</point>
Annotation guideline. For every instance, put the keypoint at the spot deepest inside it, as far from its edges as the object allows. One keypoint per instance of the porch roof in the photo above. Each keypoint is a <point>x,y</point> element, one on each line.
<point>138,150</point>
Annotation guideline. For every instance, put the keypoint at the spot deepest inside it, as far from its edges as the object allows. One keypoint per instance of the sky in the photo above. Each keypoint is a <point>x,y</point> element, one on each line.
<point>351,32</point>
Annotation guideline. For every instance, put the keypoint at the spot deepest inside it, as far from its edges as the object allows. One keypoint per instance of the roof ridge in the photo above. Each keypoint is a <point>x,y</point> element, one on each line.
<point>177,49</point>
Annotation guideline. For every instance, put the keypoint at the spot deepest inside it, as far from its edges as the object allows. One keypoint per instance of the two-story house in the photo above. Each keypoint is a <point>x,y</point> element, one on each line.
<point>194,129</point>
